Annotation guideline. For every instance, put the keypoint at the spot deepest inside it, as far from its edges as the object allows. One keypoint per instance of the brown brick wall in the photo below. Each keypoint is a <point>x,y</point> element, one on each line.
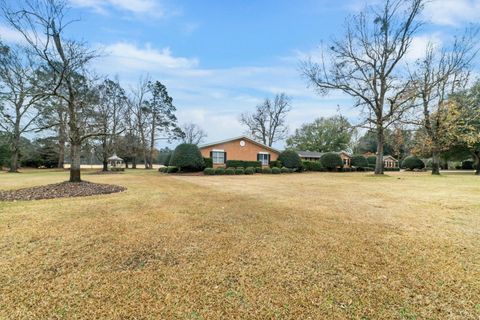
<point>236,152</point>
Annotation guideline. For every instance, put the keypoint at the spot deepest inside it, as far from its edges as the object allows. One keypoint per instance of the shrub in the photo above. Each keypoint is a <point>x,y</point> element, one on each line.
<point>290,159</point>
<point>467,165</point>
<point>166,161</point>
<point>275,164</point>
<point>372,160</point>
<point>276,170</point>
<point>313,166</point>
<point>391,169</point>
<point>163,169</point>
<point>208,162</point>
<point>229,171</point>
<point>239,171</point>
<point>258,169</point>
<point>250,170</point>
<point>172,169</point>
<point>412,163</point>
<point>187,157</point>
<point>220,171</point>
<point>267,170</point>
<point>331,161</point>
<point>285,170</point>
<point>209,171</point>
<point>243,164</point>
<point>359,161</point>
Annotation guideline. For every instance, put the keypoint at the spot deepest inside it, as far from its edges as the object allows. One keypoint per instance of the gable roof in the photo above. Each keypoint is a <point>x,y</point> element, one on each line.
<point>238,138</point>
<point>389,156</point>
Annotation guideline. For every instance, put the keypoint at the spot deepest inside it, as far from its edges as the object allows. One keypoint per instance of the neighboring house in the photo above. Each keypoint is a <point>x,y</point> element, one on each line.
<point>388,160</point>
<point>315,156</point>
<point>239,148</point>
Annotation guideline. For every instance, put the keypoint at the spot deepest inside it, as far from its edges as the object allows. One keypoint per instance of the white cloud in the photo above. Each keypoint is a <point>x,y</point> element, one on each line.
<point>453,12</point>
<point>10,35</point>
<point>419,46</point>
<point>150,7</point>
<point>136,58</point>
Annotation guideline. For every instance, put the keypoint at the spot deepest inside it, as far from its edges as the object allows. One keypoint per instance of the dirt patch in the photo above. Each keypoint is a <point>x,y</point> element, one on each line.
<point>60,190</point>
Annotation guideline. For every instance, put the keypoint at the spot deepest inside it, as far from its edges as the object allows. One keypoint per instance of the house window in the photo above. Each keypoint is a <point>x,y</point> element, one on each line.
<point>218,157</point>
<point>263,158</point>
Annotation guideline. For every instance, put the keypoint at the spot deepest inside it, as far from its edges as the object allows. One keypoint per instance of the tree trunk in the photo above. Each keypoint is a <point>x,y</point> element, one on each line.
<point>379,161</point>
<point>105,165</point>
<point>134,163</point>
<point>14,158</point>
<point>435,164</point>
<point>75,162</point>
<point>126,164</point>
<point>61,153</point>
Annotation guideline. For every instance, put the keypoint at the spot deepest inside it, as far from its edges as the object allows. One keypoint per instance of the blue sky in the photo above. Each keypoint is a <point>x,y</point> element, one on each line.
<point>221,58</point>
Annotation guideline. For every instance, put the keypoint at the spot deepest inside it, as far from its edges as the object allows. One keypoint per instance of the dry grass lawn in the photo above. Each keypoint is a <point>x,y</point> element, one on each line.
<point>297,246</point>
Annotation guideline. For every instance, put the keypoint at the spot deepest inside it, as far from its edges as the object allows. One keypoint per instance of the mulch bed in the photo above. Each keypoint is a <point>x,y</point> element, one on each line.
<point>60,190</point>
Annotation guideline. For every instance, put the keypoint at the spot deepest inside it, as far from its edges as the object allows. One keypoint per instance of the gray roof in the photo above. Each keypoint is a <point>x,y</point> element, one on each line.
<point>315,154</point>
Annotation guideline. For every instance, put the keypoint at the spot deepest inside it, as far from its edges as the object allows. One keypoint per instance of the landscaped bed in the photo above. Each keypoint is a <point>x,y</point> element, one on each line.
<point>60,190</point>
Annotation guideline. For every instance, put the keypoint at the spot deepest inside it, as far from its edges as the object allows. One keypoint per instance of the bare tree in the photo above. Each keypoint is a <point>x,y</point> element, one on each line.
<point>19,97</point>
<point>442,72</point>
<point>192,133</point>
<point>366,64</point>
<point>42,24</point>
<point>267,124</point>
<point>139,111</point>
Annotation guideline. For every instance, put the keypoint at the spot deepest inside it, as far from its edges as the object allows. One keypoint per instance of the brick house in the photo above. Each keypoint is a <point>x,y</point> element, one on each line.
<point>238,148</point>
<point>388,160</point>
<point>315,156</point>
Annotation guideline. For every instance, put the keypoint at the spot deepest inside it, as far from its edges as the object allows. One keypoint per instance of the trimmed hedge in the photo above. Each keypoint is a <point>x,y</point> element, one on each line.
<point>163,169</point>
<point>239,171</point>
<point>258,169</point>
<point>208,162</point>
<point>276,170</point>
<point>290,159</point>
<point>250,170</point>
<point>275,164</point>
<point>412,163</point>
<point>187,157</point>
<point>313,166</point>
<point>391,169</point>
<point>267,170</point>
<point>331,161</point>
<point>172,169</point>
<point>285,170</point>
<point>359,161</point>
<point>242,164</point>
<point>372,160</point>
<point>220,171</point>
<point>229,171</point>
<point>209,171</point>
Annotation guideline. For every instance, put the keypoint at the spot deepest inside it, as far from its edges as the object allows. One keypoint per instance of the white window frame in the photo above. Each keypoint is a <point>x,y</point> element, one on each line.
<point>264,162</point>
<point>215,159</point>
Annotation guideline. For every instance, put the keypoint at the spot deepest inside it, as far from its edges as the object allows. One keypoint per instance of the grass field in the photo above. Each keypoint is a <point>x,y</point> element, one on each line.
<point>295,246</point>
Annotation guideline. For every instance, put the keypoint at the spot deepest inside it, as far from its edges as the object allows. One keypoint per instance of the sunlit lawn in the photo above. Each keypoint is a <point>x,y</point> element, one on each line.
<point>290,246</point>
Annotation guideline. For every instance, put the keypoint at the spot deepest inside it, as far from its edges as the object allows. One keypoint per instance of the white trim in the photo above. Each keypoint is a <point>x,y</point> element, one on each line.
<point>263,152</point>
<point>217,150</point>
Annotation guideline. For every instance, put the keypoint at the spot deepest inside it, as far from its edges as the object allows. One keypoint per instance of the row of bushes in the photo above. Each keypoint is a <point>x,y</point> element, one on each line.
<point>248,170</point>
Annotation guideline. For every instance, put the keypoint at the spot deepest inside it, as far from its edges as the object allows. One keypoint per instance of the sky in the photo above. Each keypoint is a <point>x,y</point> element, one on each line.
<point>221,58</point>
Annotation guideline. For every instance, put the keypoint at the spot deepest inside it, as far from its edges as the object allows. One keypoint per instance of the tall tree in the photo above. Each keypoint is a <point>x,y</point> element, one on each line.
<point>267,124</point>
<point>110,112</point>
<point>139,111</point>
<point>192,133</point>
<point>42,24</point>
<point>366,64</point>
<point>19,97</point>
<point>465,119</point>
<point>441,72</point>
<point>161,117</point>
<point>322,135</point>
